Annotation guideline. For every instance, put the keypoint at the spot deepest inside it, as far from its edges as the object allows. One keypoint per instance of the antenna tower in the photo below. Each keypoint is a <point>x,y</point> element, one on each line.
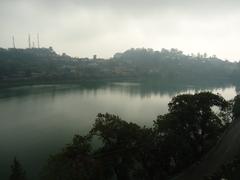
<point>38,43</point>
<point>13,41</point>
<point>29,41</point>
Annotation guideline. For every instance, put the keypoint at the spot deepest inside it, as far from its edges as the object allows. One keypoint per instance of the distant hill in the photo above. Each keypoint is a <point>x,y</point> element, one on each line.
<point>44,64</point>
<point>173,64</point>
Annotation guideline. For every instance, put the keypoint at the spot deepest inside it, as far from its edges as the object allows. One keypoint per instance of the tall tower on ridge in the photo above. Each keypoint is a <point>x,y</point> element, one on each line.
<point>13,41</point>
<point>38,43</point>
<point>29,41</point>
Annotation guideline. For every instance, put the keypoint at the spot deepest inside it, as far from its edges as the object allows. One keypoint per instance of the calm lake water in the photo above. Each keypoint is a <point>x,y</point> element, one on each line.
<point>36,121</point>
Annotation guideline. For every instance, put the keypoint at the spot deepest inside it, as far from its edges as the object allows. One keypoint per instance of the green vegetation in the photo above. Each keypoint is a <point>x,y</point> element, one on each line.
<point>44,65</point>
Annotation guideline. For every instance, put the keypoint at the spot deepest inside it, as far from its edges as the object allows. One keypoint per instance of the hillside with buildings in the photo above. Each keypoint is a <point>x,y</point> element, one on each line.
<point>45,65</point>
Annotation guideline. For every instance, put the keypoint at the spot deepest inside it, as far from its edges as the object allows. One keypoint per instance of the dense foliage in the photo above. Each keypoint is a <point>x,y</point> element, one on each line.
<point>231,169</point>
<point>228,171</point>
<point>177,139</point>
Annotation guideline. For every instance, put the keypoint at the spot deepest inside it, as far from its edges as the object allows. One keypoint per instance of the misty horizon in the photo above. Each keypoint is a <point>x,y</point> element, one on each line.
<point>82,29</point>
<point>120,89</point>
<point>35,45</point>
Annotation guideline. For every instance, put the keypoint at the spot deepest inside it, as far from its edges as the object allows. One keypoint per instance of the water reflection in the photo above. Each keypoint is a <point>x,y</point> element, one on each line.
<point>143,89</point>
<point>36,121</point>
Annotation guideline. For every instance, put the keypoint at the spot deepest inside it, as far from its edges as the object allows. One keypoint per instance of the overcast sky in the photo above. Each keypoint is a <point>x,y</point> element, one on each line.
<point>86,27</point>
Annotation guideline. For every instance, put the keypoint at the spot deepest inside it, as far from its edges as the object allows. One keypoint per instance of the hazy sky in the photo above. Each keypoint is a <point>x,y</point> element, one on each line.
<point>86,27</point>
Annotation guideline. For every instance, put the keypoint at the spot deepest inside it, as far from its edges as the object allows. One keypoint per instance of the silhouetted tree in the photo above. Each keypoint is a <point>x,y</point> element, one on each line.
<point>236,107</point>
<point>228,171</point>
<point>191,127</point>
<point>73,163</point>
<point>17,172</point>
<point>120,140</point>
<point>130,152</point>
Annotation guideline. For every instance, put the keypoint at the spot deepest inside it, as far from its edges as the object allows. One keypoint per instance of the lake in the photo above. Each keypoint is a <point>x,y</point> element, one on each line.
<point>36,121</point>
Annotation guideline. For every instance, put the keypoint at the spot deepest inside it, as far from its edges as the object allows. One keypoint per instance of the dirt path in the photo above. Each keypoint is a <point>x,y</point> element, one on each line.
<point>227,148</point>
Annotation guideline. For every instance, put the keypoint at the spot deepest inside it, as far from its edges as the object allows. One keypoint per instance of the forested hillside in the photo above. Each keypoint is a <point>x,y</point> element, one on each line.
<point>136,64</point>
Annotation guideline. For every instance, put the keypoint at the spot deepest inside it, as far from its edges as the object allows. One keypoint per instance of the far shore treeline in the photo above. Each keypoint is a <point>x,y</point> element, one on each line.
<point>45,65</point>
